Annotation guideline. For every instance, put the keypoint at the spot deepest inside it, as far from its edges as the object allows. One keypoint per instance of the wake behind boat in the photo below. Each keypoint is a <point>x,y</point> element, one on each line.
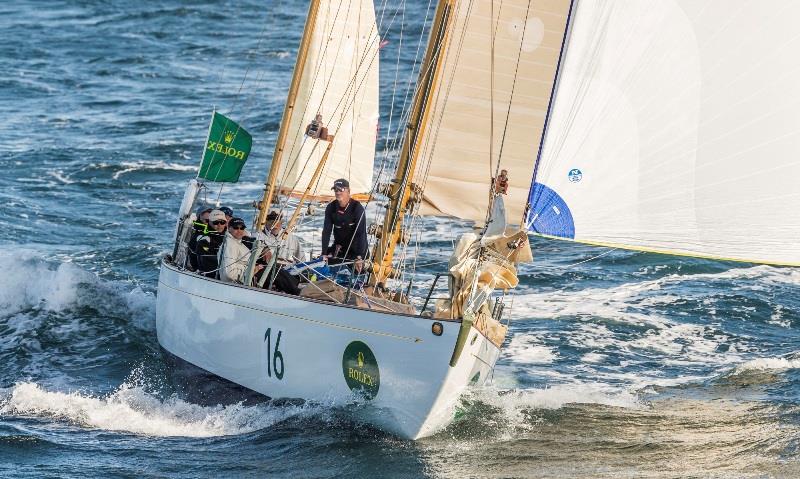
<point>497,84</point>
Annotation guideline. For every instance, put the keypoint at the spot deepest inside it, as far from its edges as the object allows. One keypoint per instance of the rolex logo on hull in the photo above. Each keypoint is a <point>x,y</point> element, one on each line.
<point>360,370</point>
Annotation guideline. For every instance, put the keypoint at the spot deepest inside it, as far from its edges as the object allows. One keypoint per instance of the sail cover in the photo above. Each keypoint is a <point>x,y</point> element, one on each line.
<point>675,128</point>
<point>340,82</point>
<point>460,145</point>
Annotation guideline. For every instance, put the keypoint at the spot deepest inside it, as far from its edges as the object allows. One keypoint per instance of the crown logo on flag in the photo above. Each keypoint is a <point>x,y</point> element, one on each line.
<point>228,137</point>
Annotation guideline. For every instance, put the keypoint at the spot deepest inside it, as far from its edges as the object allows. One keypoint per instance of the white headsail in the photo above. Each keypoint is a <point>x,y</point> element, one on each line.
<point>676,128</point>
<point>340,82</point>
<point>456,160</point>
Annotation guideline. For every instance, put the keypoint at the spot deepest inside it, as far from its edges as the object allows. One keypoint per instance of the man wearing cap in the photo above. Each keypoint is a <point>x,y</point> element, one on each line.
<point>208,245</point>
<point>234,255</point>
<point>289,248</point>
<point>345,218</point>
<point>199,228</point>
<point>228,212</point>
<point>289,252</point>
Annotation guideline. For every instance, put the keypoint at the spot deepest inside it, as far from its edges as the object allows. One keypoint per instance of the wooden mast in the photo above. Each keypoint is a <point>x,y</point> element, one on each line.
<point>401,189</point>
<point>288,110</point>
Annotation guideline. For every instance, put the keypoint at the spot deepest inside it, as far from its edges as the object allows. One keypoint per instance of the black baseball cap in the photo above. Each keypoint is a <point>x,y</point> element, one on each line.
<point>340,183</point>
<point>236,223</point>
<point>203,209</point>
<point>226,210</point>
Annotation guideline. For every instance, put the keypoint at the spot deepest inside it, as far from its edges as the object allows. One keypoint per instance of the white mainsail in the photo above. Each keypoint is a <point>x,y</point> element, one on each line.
<point>340,82</point>
<point>675,128</point>
<point>516,81</point>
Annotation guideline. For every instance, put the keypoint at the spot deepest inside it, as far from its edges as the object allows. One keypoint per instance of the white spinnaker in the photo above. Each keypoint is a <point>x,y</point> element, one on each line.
<point>454,148</point>
<point>340,81</point>
<point>675,128</point>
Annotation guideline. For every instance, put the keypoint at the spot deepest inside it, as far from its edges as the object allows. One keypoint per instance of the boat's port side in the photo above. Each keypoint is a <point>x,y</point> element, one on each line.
<point>290,347</point>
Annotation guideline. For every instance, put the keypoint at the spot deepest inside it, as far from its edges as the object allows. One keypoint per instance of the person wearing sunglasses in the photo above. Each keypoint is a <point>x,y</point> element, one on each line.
<point>208,245</point>
<point>345,218</point>
<point>234,255</point>
<point>199,228</point>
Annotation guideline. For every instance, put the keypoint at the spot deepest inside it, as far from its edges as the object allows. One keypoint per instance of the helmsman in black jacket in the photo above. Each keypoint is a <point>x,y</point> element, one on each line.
<point>346,219</point>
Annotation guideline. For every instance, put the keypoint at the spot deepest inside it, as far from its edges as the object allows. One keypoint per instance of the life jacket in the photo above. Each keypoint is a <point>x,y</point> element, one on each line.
<point>207,248</point>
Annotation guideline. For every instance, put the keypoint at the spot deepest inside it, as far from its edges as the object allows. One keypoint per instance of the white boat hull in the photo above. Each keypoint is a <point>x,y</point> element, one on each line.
<point>290,347</point>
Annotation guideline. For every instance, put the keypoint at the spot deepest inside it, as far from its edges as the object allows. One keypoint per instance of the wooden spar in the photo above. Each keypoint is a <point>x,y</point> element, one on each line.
<point>311,183</point>
<point>401,187</point>
<point>288,110</point>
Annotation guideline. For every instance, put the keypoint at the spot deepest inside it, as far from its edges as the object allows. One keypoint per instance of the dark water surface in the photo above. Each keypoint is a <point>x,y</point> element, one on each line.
<point>628,365</point>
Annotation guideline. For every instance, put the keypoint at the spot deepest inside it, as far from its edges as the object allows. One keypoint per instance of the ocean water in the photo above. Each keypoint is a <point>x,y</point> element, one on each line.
<point>619,364</point>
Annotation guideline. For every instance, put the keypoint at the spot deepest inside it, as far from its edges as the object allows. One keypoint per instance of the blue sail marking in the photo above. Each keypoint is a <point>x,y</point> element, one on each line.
<point>549,213</point>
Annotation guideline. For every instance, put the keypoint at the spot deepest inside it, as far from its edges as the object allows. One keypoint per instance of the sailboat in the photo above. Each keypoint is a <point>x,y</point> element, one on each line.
<point>665,126</point>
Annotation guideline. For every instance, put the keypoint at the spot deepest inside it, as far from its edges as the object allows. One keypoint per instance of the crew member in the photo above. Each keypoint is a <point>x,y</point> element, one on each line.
<point>346,219</point>
<point>288,248</point>
<point>199,228</point>
<point>234,255</point>
<point>208,244</point>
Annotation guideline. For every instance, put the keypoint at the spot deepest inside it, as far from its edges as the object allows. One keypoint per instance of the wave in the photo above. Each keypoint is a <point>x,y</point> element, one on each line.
<point>556,397</point>
<point>132,166</point>
<point>767,364</point>
<point>31,283</point>
<point>616,301</point>
<point>131,409</point>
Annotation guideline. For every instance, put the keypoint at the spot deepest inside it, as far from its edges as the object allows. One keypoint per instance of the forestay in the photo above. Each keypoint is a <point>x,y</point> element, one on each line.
<point>340,82</point>
<point>456,156</point>
<point>675,128</point>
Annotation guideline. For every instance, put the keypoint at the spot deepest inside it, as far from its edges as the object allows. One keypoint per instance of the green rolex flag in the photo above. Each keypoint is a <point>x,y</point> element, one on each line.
<point>226,150</point>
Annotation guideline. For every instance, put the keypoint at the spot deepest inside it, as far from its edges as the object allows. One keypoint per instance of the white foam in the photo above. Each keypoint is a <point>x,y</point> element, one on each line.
<point>767,364</point>
<point>29,282</point>
<point>515,403</point>
<point>593,358</point>
<point>527,348</point>
<point>129,166</point>
<point>132,410</point>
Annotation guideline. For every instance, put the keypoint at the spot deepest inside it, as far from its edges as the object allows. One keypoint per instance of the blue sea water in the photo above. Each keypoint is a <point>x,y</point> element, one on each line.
<point>619,364</point>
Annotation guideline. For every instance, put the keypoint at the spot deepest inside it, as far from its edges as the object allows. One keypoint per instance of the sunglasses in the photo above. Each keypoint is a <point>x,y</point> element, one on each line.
<point>219,222</point>
<point>237,227</point>
<point>339,190</point>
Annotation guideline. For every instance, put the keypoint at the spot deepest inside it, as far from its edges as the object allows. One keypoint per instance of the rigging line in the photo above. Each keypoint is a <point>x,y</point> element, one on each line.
<point>316,71</point>
<point>409,91</point>
<point>589,259</point>
<point>349,88</point>
<point>238,94</point>
<point>435,58</point>
<point>349,100</point>
<point>412,215</point>
<point>346,96</point>
<point>432,139</point>
<point>490,203</point>
<point>387,141</point>
<point>396,75</point>
<point>513,87</point>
